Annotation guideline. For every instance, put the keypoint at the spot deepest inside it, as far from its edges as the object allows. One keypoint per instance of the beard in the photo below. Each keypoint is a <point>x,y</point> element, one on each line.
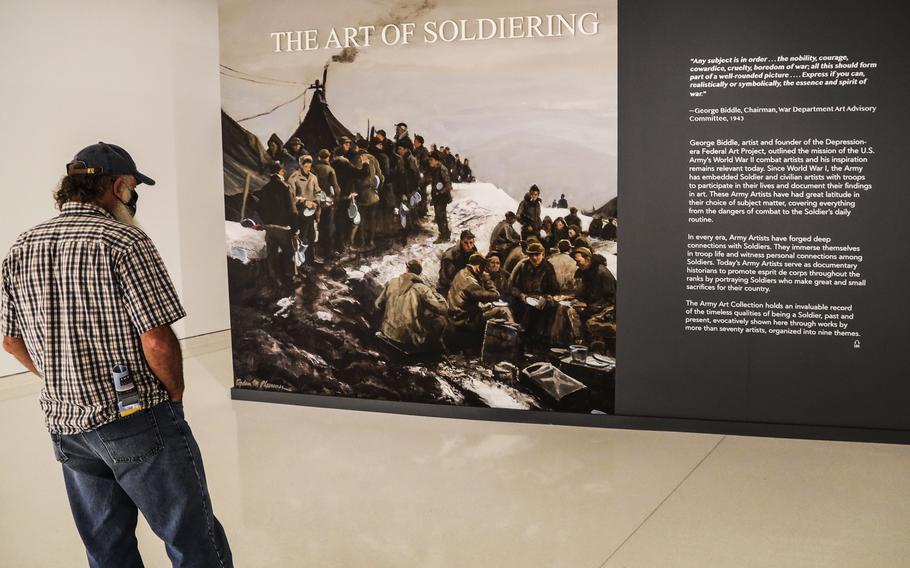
<point>122,213</point>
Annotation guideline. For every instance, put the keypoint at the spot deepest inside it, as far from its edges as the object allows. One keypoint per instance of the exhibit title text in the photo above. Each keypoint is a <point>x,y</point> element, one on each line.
<point>446,31</point>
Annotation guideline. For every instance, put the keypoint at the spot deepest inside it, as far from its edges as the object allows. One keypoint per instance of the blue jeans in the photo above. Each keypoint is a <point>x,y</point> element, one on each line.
<point>148,462</point>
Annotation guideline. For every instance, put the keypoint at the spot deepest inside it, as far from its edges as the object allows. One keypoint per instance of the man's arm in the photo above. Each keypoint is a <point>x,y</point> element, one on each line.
<point>16,347</point>
<point>162,352</point>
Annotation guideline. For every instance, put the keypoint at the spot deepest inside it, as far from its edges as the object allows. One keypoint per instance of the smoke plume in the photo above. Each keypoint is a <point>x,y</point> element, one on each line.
<point>402,11</point>
<point>347,55</point>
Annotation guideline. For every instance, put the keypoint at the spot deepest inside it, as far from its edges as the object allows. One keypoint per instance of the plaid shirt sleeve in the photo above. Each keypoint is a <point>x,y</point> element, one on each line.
<point>8,325</point>
<point>148,292</point>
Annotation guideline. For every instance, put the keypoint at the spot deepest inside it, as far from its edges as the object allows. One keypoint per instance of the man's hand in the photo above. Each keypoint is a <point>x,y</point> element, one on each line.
<point>15,346</point>
<point>162,351</point>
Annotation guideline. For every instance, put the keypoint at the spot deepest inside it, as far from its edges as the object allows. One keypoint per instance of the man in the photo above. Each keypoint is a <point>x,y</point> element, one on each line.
<point>275,150</point>
<point>529,213</point>
<point>533,283</point>
<point>469,290</point>
<point>467,174</point>
<point>368,196</point>
<point>595,298</point>
<point>85,296</point>
<point>275,201</point>
<point>328,182</point>
<point>277,210</point>
<point>409,176</point>
<point>448,159</point>
<point>498,275</point>
<point>422,155</point>
<point>401,136</point>
<point>504,236</point>
<point>515,256</point>
<point>413,313</point>
<point>346,147</point>
<point>458,169</point>
<point>573,219</point>
<point>377,150</point>
<point>420,152</point>
<point>295,150</point>
<point>559,231</point>
<point>388,147</point>
<point>305,187</point>
<point>595,229</point>
<point>397,173</point>
<point>609,229</point>
<point>573,234</point>
<point>563,202</point>
<point>546,239</point>
<point>348,175</point>
<point>564,266</point>
<point>454,259</point>
<point>441,193</point>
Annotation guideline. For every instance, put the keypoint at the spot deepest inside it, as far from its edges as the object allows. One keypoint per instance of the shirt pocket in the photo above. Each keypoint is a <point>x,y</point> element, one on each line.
<point>133,439</point>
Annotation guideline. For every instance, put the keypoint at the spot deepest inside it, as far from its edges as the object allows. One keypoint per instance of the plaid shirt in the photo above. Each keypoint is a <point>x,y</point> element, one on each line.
<point>80,289</point>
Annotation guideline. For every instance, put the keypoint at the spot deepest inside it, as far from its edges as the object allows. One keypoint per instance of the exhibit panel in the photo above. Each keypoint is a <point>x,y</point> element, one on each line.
<point>767,141</point>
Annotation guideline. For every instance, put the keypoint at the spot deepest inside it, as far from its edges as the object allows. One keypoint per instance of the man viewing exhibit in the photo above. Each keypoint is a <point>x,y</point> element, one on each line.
<point>86,305</point>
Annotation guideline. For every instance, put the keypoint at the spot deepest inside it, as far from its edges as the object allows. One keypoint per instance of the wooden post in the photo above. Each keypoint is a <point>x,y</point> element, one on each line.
<point>246,194</point>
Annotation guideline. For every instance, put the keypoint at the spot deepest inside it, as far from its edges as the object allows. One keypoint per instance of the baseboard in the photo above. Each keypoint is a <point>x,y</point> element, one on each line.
<point>585,420</point>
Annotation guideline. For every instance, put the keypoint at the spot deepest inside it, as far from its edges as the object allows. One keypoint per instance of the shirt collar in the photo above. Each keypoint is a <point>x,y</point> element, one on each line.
<point>78,208</point>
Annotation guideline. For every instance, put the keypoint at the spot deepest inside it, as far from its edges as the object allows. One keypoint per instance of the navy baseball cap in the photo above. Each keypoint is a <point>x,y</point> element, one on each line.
<point>106,159</point>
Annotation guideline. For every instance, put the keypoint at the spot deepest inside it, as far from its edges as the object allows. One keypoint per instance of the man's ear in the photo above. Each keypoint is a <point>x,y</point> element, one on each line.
<point>117,186</point>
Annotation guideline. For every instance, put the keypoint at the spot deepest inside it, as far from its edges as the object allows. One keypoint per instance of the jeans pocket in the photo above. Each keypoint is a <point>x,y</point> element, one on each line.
<point>177,411</point>
<point>133,439</point>
<point>57,439</point>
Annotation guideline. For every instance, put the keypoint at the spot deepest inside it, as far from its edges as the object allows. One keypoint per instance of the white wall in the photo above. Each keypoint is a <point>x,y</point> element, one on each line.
<point>141,74</point>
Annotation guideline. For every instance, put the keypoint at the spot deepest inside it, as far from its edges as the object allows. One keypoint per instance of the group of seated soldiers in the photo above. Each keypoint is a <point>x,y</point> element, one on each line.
<point>560,293</point>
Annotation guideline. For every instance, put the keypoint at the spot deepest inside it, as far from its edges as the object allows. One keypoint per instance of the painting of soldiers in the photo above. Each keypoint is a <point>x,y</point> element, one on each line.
<point>377,261</point>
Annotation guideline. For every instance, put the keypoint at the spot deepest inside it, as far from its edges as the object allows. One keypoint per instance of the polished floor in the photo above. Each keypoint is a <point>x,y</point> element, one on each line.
<point>299,486</point>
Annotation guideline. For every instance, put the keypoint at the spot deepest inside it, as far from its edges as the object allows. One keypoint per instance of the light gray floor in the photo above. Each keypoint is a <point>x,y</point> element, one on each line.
<point>298,486</point>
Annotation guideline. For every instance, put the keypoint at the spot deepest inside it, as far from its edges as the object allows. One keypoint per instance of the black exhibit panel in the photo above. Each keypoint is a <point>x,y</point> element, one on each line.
<point>763,176</point>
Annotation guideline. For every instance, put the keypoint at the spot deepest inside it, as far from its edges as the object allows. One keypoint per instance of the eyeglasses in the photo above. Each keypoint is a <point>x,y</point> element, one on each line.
<point>80,168</point>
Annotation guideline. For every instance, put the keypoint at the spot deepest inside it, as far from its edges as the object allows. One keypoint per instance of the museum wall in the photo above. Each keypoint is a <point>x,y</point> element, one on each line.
<point>143,75</point>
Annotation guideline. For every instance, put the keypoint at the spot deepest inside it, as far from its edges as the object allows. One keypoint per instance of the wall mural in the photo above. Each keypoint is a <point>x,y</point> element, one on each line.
<point>420,200</point>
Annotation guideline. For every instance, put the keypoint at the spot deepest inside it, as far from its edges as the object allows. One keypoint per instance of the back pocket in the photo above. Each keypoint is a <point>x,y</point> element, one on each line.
<point>132,439</point>
<point>58,448</point>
